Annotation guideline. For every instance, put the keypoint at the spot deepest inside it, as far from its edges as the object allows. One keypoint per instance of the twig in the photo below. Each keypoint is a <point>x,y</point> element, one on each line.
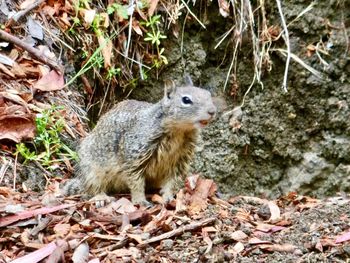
<point>4,168</point>
<point>300,61</point>
<point>179,231</point>
<point>35,52</point>
<point>130,27</point>
<point>19,14</point>
<point>15,172</point>
<point>189,10</point>
<point>286,34</point>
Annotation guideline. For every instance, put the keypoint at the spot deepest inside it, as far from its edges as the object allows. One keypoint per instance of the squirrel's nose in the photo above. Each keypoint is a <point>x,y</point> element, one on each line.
<point>212,111</point>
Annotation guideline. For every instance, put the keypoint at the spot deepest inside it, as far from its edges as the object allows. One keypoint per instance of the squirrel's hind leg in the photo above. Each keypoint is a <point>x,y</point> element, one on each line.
<point>136,185</point>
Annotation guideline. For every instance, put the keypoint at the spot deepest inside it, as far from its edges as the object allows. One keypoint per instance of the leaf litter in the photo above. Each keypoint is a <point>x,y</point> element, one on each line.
<point>75,229</point>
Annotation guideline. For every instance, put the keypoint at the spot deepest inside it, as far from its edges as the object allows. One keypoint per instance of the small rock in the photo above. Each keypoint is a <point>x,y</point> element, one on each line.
<point>167,244</point>
<point>202,249</point>
<point>186,235</point>
<point>145,236</point>
<point>298,252</point>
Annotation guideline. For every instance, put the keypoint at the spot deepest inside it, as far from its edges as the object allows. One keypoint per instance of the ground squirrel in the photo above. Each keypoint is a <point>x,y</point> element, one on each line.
<point>139,145</point>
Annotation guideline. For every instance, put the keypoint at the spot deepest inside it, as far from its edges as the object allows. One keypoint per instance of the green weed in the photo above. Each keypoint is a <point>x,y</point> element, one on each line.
<point>49,148</point>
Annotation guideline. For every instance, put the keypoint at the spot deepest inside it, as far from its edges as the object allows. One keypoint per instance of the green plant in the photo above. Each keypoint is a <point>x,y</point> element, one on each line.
<point>112,72</point>
<point>155,37</point>
<point>121,10</point>
<point>49,148</point>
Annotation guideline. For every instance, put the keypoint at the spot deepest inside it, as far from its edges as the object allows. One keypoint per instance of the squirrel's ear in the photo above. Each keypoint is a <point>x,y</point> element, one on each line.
<point>169,88</point>
<point>188,80</point>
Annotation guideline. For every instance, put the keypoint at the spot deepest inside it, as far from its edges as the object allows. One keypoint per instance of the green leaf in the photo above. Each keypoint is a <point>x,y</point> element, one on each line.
<point>110,10</point>
<point>122,11</point>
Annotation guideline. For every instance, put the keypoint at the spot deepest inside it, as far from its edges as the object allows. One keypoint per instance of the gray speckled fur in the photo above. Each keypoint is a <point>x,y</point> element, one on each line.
<point>139,145</point>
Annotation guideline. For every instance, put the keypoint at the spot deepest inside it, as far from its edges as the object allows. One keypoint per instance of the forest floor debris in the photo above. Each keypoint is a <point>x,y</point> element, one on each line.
<point>207,229</point>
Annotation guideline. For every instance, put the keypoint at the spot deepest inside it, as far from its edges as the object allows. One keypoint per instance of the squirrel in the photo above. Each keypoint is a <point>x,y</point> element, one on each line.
<point>139,145</point>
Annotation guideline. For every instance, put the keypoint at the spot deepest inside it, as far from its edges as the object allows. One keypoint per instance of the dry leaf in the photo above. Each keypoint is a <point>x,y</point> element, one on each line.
<point>343,238</point>
<point>204,188</point>
<point>37,255</point>
<point>152,7</point>
<point>279,248</point>
<point>224,8</point>
<point>81,254</point>
<point>62,229</point>
<point>7,220</point>
<point>180,202</point>
<point>238,235</point>
<point>50,82</point>
<point>238,248</point>
<point>89,16</point>
<point>136,27</point>
<point>257,241</point>
<point>4,69</point>
<point>26,4</point>
<point>123,206</point>
<point>17,128</point>
<point>107,47</point>
<point>274,210</point>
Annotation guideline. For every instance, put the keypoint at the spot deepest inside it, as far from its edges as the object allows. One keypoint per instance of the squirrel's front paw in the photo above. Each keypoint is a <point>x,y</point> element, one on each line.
<point>167,197</point>
<point>102,200</point>
<point>141,202</point>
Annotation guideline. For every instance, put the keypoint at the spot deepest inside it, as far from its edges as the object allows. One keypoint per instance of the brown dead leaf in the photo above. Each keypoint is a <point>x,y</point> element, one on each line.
<point>61,230</point>
<point>123,206</point>
<point>89,16</point>
<point>37,255</point>
<point>136,27</point>
<point>204,189</point>
<point>263,227</point>
<point>15,98</point>
<point>81,253</point>
<point>107,46</point>
<point>4,69</point>
<point>50,82</point>
<point>26,4</point>
<point>180,202</point>
<point>238,248</point>
<point>274,210</point>
<point>7,220</point>
<point>238,235</point>
<point>224,7</point>
<point>5,191</point>
<point>343,238</point>
<point>209,229</point>
<point>288,248</point>
<point>257,241</point>
<point>152,7</point>
<point>17,128</point>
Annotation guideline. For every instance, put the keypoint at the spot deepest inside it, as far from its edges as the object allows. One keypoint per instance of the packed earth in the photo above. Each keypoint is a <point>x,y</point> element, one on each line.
<point>271,178</point>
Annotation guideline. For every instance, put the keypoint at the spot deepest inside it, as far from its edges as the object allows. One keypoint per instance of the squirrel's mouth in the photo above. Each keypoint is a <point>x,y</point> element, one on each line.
<point>203,123</point>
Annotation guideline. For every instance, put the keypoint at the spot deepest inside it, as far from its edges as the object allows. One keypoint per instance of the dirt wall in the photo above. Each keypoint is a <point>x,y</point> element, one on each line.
<point>277,141</point>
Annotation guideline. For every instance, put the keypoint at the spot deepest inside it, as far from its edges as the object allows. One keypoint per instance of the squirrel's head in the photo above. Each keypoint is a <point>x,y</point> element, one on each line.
<point>188,105</point>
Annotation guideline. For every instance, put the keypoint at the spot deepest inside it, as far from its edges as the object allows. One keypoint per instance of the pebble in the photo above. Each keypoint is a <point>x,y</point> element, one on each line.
<point>167,244</point>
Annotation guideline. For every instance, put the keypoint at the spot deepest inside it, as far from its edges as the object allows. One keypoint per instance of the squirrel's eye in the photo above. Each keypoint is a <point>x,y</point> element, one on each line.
<point>186,100</point>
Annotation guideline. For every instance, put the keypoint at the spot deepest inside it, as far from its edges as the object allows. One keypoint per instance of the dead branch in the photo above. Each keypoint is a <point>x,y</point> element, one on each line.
<point>19,14</point>
<point>179,231</point>
<point>33,51</point>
